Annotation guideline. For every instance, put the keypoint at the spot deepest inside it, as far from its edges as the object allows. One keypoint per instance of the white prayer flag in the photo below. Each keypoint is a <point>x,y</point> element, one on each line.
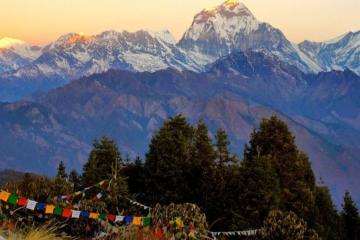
<point>31,205</point>
<point>119,218</point>
<point>75,214</point>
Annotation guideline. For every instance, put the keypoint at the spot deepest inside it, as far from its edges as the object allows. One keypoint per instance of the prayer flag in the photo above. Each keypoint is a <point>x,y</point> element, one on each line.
<point>31,205</point>
<point>137,221</point>
<point>128,219</point>
<point>119,218</point>
<point>146,221</point>
<point>102,216</point>
<point>75,214</point>
<point>58,211</point>
<point>93,215</point>
<point>84,214</point>
<point>49,209</point>
<point>111,217</point>
<point>22,201</point>
<point>13,199</point>
<point>66,213</point>
<point>40,206</point>
<point>4,196</point>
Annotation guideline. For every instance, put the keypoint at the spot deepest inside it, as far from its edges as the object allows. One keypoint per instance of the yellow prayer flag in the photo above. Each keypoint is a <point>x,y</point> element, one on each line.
<point>49,209</point>
<point>4,196</point>
<point>137,221</point>
<point>93,215</point>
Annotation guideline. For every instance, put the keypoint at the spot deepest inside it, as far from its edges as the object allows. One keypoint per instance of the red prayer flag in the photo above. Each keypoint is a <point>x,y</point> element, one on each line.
<point>111,217</point>
<point>66,213</point>
<point>22,201</point>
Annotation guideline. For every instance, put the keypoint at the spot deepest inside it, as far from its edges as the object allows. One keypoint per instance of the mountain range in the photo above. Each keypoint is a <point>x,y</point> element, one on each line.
<point>214,33</point>
<point>229,69</point>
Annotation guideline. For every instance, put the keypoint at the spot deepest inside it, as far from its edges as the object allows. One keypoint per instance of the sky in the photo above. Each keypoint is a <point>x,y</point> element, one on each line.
<point>42,21</point>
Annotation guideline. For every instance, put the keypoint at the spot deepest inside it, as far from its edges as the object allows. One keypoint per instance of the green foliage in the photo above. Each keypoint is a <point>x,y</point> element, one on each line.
<point>75,180</point>
<point>186,219</point>
<point>259,192</point>
<point>350,216</point>
<point>327,222</point>
<point>184,165</point>
<point>282,226</point>
<point>61,171</point>
<point>223,148</point>
<point>168,162</point>
<point>105,163</point>
<point>296,180</point>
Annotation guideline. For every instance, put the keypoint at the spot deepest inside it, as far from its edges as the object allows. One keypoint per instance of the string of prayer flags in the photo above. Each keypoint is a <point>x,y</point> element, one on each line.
<point>236,233</point>
<point>50,209</point>
<point>139,204</point>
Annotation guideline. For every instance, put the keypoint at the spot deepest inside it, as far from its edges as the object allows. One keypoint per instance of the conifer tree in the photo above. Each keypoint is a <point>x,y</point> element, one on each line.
<point>326,219</point>
<point>223,148</point>
<point>259,191</point>
<point>105,163</point>
<point>168,162</point>
<point>61,171</point>
<point>74,179</point>
<point>350,216</point>
<point>61,184</point>
<point>292,167</point>
<point>203,165</point>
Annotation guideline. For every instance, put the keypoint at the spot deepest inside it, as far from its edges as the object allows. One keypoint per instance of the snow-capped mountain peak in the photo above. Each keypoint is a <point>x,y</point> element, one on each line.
<point>223,21</point>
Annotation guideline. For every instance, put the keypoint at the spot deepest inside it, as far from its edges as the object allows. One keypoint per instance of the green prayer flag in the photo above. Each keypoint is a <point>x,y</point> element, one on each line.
<point>13,199</point>
<point>58,211</point>
<point>146,221</point>
<point>103,216</point>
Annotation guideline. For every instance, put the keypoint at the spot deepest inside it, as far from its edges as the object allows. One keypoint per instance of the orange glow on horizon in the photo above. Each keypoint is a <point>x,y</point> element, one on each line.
<point>43,21</point>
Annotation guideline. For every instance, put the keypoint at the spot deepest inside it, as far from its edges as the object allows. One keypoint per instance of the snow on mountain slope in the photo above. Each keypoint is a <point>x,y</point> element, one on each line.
<point>16,53</point>
<point>336,54</point>
<point>75,55</point>
<point>232,27</point>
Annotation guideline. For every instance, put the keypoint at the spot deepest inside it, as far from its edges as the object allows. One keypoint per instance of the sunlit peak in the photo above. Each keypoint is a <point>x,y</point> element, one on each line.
<point>231,3</point>
<point>80,37</point>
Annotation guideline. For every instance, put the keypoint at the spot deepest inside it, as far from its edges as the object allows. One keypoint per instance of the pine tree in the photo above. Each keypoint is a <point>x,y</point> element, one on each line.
<point>202,177</point>
<point>259,191</point>
<point>223,148</point>
<point>350,216</point>
<point>134,172</point>
<point>61,171</point>
<point>61,184</point>
<point>292,167</point>
<point>105,163</point>
<point>168,162</point>
<point>326,219</point>
<point>74,179</point>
